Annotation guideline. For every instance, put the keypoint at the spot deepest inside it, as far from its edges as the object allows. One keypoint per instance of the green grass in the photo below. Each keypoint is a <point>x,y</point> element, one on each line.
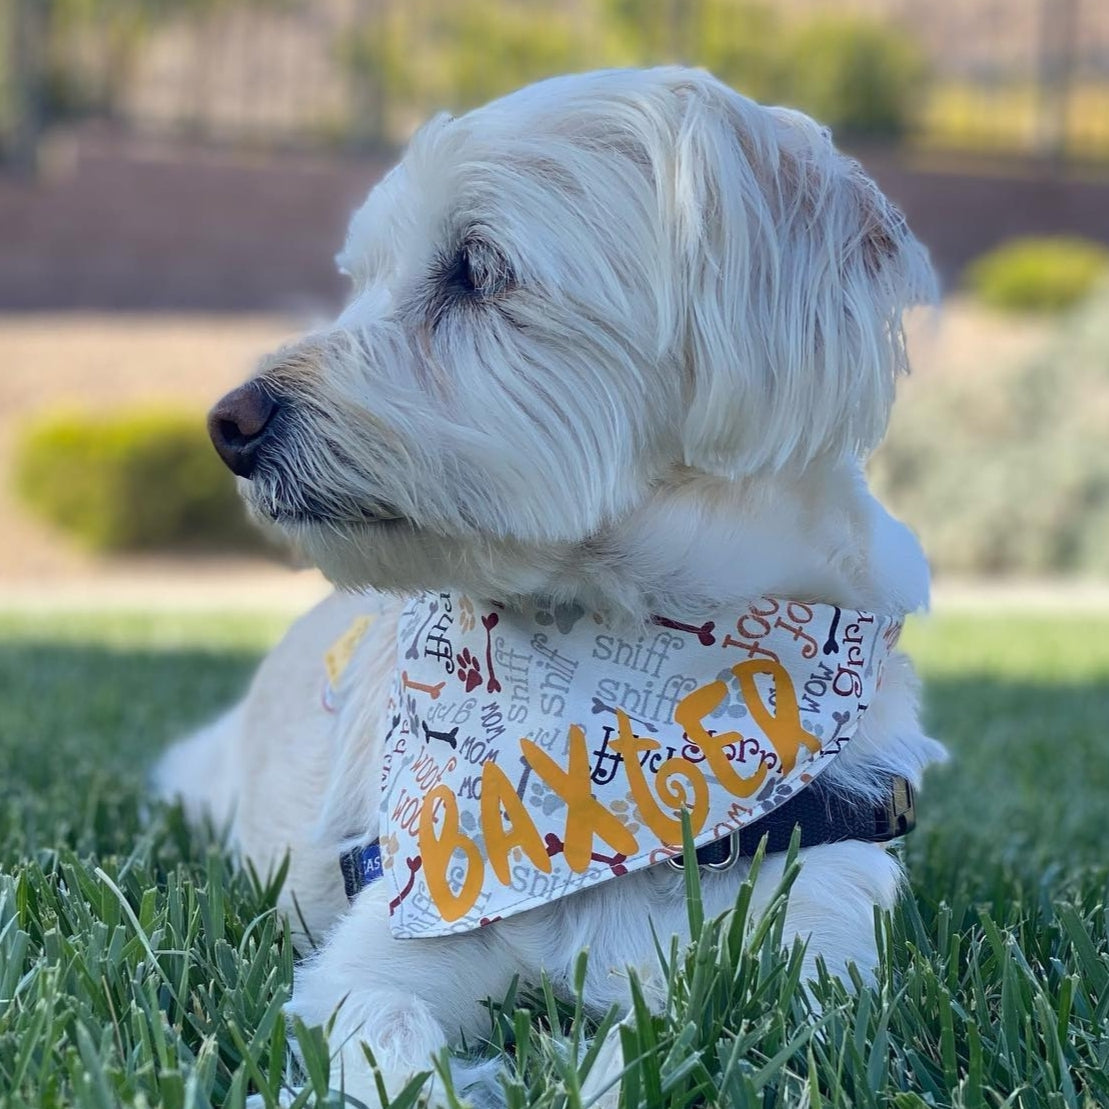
<point>137,968</point>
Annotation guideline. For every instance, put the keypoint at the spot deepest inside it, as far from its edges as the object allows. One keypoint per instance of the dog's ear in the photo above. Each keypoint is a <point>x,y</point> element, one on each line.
<point>794,273</point>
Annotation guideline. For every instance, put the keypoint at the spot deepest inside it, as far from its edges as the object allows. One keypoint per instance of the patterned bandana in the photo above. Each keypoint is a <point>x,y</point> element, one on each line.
<point>531,755</point>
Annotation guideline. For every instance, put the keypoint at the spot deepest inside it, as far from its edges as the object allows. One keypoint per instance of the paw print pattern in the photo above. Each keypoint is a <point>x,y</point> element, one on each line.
<point>469,670</point>
<point>774,791</point>
<point>564,617</point>
<point>545,799</point>
<point>389,847</point>
<point>733,706</point>
<point>626,812</point>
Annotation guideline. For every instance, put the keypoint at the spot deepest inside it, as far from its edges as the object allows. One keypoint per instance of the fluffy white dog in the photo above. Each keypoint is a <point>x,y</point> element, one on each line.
<point>617,347</point>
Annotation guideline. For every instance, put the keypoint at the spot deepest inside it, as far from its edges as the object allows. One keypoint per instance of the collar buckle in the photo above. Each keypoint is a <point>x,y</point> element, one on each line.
<point>897,817</point>
<point>720,855</point>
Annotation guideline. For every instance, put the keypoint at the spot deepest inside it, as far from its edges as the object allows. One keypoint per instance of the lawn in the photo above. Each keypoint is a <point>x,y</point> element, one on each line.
<point>137,968</point>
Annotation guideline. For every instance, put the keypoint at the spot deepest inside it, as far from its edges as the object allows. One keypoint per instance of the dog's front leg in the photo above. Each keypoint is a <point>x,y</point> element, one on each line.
<point>403,999</point>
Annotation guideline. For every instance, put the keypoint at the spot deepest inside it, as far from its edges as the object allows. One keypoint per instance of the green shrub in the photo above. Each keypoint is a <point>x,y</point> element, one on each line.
<point>861,77</point>
<point>1037,274</point>
<point>737,40</point>
<point>497,48</point>
<point>1008,473</point>
<point>739,43</point>
<point>141,481</point>
<point>455,55</point>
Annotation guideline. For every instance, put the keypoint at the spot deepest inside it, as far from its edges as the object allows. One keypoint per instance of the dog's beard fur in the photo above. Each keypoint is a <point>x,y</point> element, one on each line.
<point>600,301</point>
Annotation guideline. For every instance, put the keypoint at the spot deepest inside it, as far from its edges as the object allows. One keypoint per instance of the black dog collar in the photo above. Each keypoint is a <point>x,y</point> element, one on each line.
<point>824,816</point>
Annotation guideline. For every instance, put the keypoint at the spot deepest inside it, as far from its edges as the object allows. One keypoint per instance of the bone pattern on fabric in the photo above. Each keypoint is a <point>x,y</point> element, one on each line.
<point>564,754</point>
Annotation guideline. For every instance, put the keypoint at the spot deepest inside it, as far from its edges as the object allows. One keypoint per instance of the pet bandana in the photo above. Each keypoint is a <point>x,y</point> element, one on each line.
<point>531,755</point>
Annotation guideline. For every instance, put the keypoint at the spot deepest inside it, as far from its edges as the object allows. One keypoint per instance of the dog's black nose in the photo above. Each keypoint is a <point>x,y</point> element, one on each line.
<point>238,425</point>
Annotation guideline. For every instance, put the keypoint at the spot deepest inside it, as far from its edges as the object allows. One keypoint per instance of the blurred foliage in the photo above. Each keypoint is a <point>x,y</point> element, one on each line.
<point>741,43</point>
<point>404,60</point>
<point>1009,473</point>
<point>141,480</point>
<point>459,55</point>
<point>8,92</point>
<point>738,40</point>
<point>1003,116</point>
<point>119,28</point>
<point>862,76</point>
<point>92,48</point>
<point>1038,274</point>
<point>484,50</point>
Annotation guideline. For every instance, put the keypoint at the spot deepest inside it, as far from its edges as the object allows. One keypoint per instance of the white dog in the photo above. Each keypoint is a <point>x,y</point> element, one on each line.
<point>617,347</point>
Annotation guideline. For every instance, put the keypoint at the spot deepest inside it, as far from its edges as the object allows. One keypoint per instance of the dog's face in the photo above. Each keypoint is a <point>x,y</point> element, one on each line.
<point>561,302</point>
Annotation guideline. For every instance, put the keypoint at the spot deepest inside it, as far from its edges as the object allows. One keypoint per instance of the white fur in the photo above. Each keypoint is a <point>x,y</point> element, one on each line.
<point>683,343</point>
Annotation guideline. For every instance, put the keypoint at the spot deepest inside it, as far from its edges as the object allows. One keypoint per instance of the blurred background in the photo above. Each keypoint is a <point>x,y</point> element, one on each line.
<point>176,175</point>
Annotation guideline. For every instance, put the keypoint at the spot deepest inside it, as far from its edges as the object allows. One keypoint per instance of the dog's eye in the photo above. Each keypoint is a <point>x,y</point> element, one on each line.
<point>476,271</point>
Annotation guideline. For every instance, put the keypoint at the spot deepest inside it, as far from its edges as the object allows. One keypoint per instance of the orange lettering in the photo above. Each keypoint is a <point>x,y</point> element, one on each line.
<point>585,815</point>
<point>783,728</point>
<point>676,795</point>
<point>689,714</point>
<point>497,794</point>
<point>436,851</point>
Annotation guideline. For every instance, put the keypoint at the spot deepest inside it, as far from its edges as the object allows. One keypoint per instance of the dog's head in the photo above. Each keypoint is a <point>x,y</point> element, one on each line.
<point>560,302</point>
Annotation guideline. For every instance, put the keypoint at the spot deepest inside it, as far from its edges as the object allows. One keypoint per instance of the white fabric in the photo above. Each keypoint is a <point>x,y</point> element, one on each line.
<point>531,755</point>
